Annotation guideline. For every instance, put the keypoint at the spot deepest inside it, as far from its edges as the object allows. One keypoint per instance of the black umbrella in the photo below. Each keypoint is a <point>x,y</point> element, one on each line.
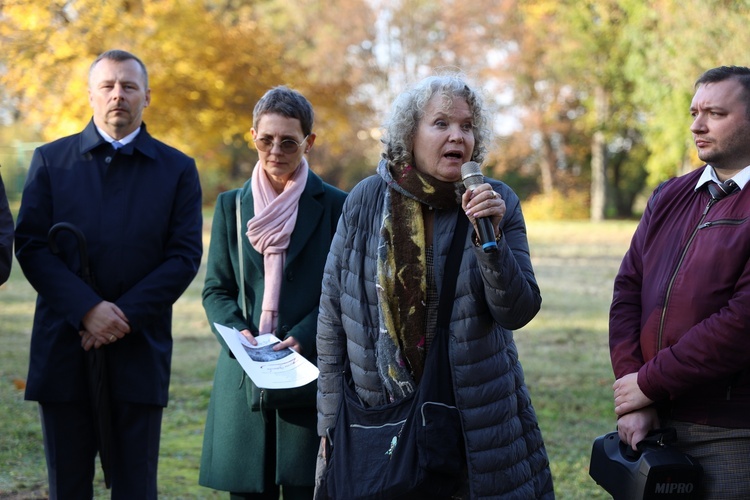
<point>95,362</point>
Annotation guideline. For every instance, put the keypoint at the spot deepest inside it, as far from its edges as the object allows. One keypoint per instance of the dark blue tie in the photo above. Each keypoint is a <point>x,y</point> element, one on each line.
<point>117,145</point>
<point>719,191</point>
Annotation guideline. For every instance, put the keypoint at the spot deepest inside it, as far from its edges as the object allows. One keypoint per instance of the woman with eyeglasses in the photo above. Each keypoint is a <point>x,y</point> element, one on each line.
<point>288,216</point>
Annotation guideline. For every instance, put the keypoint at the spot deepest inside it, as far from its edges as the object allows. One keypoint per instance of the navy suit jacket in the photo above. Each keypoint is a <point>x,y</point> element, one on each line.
<point>140,211</point>
<point>6,235</point>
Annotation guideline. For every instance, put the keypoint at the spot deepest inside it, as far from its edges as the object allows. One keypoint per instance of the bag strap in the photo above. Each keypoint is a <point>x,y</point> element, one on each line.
<point>240,259</point>
<point>448,292</point>
<point>452,263</point>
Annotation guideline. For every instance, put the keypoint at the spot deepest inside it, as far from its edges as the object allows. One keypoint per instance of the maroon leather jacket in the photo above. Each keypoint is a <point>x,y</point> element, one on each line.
<point>680,314</point>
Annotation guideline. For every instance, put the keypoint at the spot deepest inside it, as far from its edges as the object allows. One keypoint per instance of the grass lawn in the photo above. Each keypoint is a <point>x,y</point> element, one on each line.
<point>563,351</point>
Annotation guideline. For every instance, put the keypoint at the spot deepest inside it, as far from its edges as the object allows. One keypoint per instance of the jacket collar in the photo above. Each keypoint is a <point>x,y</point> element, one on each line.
<point>143,142</point>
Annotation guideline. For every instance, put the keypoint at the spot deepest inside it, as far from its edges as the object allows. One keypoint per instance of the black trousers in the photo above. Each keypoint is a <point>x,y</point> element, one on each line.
<point>70,449</point>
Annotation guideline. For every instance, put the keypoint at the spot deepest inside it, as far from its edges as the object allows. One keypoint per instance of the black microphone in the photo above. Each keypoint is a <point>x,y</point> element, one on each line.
<point>471,173</point>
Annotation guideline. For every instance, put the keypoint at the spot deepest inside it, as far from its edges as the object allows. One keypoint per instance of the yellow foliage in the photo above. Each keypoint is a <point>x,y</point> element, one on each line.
<point>557,206</point>
<point>208,63</point>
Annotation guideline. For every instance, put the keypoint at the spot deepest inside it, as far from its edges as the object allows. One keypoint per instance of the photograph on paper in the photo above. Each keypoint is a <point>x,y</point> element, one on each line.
<point>268,369</point>
<point>264,353</point>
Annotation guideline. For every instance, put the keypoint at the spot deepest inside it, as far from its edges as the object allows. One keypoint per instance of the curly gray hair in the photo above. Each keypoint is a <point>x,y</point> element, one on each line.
<point>408,109</point>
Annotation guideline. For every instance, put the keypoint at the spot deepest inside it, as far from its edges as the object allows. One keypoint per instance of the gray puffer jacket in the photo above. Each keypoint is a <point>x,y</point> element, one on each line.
<point>495,294</point>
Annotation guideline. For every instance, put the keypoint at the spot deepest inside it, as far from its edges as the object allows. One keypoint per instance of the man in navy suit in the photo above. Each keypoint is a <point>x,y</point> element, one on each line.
<point>138,206</point>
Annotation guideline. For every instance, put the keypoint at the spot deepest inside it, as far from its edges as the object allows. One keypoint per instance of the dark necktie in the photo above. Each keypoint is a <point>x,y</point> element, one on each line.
<point>719,191</point>
<point>117,144</point>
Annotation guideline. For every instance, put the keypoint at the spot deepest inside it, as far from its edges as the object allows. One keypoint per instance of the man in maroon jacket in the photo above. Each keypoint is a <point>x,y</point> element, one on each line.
<point>680,315</point>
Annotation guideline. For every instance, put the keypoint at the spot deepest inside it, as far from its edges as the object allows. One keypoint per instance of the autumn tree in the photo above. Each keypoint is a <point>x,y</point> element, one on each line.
<point>576,124</point>
<point>331,42</point>
<point>208,62</point>
<point>673,44</point>
<point>589,97</point>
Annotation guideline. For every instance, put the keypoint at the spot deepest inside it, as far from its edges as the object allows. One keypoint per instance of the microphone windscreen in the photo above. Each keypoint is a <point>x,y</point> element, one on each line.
<point>471,174</point>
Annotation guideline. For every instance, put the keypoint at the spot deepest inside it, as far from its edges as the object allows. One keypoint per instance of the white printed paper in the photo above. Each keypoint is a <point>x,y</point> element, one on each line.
<point>268,369</point>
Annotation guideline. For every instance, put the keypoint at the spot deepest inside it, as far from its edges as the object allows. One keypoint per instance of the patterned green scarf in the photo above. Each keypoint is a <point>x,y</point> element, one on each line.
<point>401,278</point>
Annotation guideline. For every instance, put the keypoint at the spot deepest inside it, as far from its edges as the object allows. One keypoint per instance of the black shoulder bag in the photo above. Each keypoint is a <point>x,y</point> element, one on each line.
<point>412,448</point>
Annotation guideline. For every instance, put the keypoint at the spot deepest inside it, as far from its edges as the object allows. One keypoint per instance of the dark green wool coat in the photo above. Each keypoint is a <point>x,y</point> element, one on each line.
<point>237,439</point>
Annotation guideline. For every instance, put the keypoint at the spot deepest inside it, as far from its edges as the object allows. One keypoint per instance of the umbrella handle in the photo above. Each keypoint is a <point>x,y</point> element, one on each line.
<point>82,246</point>
<point>96,360</point>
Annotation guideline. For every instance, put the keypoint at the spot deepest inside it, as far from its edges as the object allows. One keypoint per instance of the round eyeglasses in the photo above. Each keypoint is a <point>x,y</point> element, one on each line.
<point>287,146</point>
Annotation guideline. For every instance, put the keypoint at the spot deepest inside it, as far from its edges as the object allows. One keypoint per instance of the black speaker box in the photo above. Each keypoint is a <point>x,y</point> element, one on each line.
<point>656,471</point>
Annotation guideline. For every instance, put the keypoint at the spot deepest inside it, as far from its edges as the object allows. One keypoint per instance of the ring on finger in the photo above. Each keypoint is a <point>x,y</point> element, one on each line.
<point>494,194</point>
<point>112,338</point>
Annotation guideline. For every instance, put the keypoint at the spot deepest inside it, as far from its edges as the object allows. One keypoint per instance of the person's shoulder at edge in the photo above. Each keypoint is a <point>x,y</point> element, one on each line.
<point>333,190</point>
<point>366,188</point>
<point>225,204</point>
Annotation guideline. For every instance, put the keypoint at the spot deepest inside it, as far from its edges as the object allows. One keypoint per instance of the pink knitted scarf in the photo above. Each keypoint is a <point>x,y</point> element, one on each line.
<point>269,233</point>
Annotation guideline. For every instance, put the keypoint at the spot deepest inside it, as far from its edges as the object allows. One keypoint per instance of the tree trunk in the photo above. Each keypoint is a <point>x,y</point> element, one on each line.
<point>546,166</point>
<point>598,178</point>
<point>598,159</point>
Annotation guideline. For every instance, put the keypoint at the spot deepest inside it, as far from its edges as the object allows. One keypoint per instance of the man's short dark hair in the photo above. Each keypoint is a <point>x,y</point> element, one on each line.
<point>286,102</point>
<point>739,73</point>
<point>120,56</point>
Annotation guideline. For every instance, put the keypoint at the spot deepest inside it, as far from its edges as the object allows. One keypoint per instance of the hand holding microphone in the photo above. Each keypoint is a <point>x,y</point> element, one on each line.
<point>472,177</point>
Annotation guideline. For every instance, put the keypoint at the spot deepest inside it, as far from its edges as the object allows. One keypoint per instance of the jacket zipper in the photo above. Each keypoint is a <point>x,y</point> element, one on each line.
<point>701,225</point>
<point>677,269</point>
<point>732,222</point>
